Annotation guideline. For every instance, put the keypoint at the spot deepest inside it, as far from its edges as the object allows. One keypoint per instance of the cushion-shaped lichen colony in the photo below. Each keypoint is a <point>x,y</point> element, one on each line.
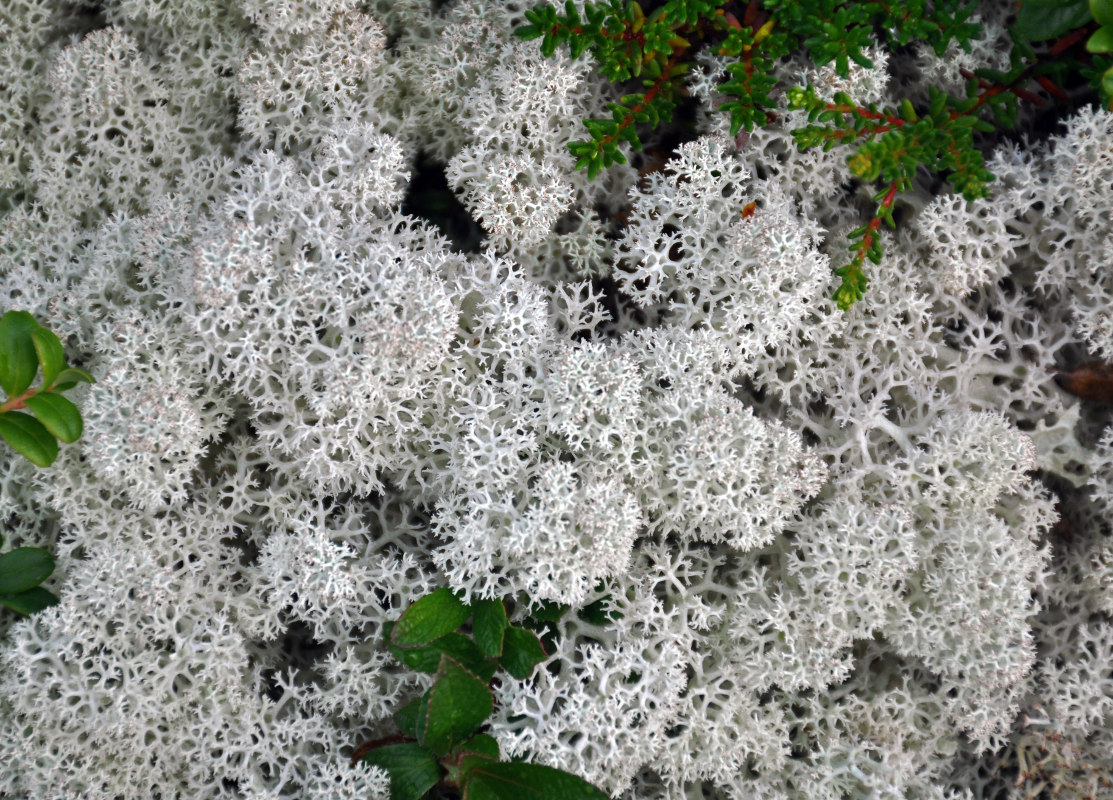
<point>817,534</point>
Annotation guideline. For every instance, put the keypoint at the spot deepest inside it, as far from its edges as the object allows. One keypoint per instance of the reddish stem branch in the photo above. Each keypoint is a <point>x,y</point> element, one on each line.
<point>875,222</point>
<point>16,403</point>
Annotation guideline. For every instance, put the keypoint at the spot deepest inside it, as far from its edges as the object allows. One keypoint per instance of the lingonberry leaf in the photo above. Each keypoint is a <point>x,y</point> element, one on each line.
<point>481,745</point>
<point>413,769</point>
<point>521,652</point>
<point>52,358</point>
<point>456,645</point>
<point>24,568</point>
<point>430,618</point>
<point>483,779</point>
<point>18,360</point>
<point>69,378</point>
<point>410,718</point>
<point>1101,41</point>
<point>57,414</point>
<point>29,602</point>
<point>488,625</point>
<point>459,702</point>
<point>1102,11</point>
<point>28,437</point>
<point>1039,20</point>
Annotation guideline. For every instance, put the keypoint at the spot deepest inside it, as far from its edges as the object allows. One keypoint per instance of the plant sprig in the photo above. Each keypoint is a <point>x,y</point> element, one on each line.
<point>21,572</point>
<point>25,347</point>
<point>628,45</point>
<point>441,740</point>
<point>890,144</point>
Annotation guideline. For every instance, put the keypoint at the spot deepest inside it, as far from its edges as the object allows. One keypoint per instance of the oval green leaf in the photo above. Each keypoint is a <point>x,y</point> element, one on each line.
<point>459,702</point>
<point>1101,41</point>
<point>428,619</point>
<point>1037,23</point>
<point>57,414</point>
<point>1102,11</point>
<point>24,568</point>
<point>455,645</point>
<point>29,602</point>
<point>52,358</point>
<point>481,745</point>
<point>28,437</point>
<point>18,360</point>
<point>413,770</point>
<point>410,718</point>
<point>488,625</point>
<point>521,652</point>
<point>69,377</point>
<point>492,780</point>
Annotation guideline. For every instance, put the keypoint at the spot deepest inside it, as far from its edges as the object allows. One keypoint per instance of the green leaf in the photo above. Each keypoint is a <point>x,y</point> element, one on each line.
<point>428,619</point>
<point>527,32</point>
<point>413,770</point>
<point>52,358</point>
<point>482,745</point>
<point>488,625</point>
<point>18,360</point>
<point>57,414</point>
<point>28,437</point>
<point>68,378</point>
<point>1038,22</point>
<point>29,602</point>
<point>521,652</point>
<point>24,568</point>
<point>1101,41</point>
<point>572,14</point>
<point>455,645</point>
<point>1107,82</point>
<point>411,717</point>
<point>459,702</point>
<point>492,780</point>
<point>1102,11</point>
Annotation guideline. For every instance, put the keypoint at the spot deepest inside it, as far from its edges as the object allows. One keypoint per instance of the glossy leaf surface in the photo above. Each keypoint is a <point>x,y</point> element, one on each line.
<point>459,702</point>
<point>51,356</point>
<point>69,378</point>
<point>24,568</point>
<point>27,436</point>
<point>428,619</point>
<point>18,360</point>
<point>490,780</point>
<point>455,645</point>
<point>57,414</point>
<point>521,652</point>
<point>489,623</point>
<point>29,602</point>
